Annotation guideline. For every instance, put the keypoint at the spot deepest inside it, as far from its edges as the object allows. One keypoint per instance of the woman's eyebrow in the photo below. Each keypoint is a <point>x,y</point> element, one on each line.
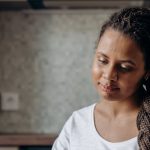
<point>128,61</point>
<point>102,54</point>
<point>123,61</point>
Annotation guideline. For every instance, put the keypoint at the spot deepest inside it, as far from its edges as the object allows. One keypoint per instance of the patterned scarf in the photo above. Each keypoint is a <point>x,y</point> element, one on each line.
<point>143,125</point>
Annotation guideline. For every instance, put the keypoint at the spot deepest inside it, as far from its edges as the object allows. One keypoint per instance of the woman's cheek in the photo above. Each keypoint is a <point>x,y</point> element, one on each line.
<point>96,71</point>
<point>130,86</point>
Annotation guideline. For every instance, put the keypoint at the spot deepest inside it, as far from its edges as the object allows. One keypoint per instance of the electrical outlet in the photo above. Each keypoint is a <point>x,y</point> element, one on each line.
<point>9,101</point>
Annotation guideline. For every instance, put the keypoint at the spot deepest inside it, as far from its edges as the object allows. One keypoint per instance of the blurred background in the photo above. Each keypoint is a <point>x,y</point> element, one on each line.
<point>46,54</point>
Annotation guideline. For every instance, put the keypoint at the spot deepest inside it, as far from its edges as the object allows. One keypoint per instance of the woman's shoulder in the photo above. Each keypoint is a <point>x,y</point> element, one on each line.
<point>85,110</point>
<point>84,114</point>
<point>77,127</point>
<point>80,117</point>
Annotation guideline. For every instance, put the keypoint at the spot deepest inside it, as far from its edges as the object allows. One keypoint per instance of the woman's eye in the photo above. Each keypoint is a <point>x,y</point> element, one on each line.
<point>125,69</point>
<point>102,61</point>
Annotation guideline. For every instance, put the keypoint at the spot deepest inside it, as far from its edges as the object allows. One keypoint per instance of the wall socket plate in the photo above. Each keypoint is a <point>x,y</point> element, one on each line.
<point>9,101</point>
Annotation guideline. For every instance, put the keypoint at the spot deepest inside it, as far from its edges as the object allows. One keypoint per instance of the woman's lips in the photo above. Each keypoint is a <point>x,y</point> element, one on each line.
<point>108,88</point>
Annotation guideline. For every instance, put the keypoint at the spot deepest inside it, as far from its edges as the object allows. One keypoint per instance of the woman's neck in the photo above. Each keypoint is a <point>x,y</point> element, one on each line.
<point>119,108</point>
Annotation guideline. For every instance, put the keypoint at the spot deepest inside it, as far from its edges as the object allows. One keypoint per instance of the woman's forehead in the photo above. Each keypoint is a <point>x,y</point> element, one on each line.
<point>115,43</point>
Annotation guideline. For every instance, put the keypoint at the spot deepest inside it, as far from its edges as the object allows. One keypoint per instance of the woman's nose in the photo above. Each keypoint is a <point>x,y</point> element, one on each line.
<point>110,73</point>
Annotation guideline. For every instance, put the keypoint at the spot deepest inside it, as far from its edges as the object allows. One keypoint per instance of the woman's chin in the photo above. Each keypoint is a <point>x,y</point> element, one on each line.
<point>109,95</point>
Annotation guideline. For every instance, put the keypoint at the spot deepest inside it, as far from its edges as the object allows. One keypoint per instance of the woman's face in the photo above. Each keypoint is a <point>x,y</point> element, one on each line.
<point>118,66</point>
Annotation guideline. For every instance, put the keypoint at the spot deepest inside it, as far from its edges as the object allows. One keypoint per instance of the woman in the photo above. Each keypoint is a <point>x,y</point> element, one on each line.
<point>121,70</point>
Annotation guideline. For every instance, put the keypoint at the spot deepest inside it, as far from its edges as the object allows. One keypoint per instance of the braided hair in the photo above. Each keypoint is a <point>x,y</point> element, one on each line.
<point>135,23</point>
